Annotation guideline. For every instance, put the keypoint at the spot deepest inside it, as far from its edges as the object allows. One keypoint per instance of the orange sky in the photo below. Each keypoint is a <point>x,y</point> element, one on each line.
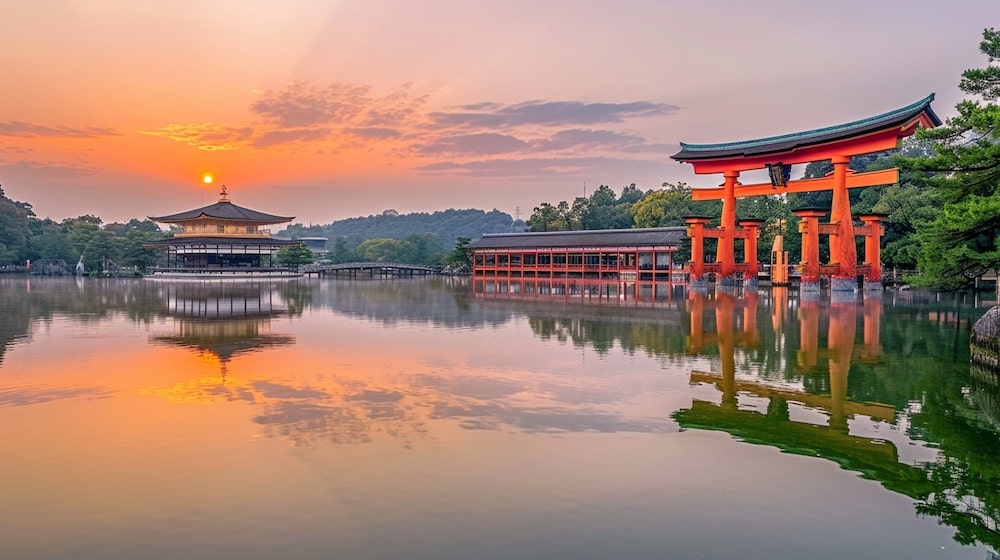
<point>324,109</point>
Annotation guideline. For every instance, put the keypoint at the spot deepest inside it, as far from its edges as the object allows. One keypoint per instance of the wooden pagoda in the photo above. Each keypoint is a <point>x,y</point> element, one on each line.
<point>777,154</point>
<point>221,241</point>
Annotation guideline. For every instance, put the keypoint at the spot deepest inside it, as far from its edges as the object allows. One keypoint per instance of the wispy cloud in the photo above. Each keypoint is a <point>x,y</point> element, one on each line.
<point>285,136</point>
<point>548,113</point>
<point>309,104</point>
<point>305,104</point>
<point>483,143</point>
<point>50,170</point>
<point>582,139</point>
<point>207,136</point>
<point>529,137</point>
<point>307,112</point>
<point>373,133</point>
<point>536,166</point>
<point>19,129</point>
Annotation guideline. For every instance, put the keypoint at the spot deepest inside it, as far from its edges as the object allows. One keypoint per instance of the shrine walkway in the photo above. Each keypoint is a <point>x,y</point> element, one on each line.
<point>369,269</point>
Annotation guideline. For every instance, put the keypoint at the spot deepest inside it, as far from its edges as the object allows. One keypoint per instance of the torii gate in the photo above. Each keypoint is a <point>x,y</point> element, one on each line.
<point>777,153</point>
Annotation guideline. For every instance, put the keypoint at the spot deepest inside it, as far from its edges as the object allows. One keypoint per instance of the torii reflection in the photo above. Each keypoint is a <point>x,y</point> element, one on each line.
<point>801,405</point>
<point>777,386</point>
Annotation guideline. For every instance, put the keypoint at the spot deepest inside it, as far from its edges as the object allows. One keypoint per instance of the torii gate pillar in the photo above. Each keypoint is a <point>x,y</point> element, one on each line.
<point>752,228</point>
<point>843,252</point>
<point>809,264</point>
<point>873,231</point>
<point>696,231</point>
<point>726,253</point>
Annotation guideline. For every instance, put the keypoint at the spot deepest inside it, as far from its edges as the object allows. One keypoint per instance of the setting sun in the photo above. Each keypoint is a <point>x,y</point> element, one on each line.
<point>207,178</point>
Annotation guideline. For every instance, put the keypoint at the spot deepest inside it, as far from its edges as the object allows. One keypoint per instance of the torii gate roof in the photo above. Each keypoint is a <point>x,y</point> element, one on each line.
<point>810,145</point>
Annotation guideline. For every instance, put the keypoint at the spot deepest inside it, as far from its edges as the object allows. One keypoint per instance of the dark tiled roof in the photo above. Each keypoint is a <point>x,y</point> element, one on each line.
<point>788,142</point>
<point>224,210</point>
<point>587,238</point>
<point>221,241</point>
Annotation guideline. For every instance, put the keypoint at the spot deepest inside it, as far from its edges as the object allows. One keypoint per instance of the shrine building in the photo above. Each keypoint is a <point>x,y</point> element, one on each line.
<point>221,241</point>
<point>616,254</point>
<point>777,154</point>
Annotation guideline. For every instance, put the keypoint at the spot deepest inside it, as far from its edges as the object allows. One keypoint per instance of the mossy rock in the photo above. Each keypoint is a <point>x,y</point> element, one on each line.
<point>985,340</point>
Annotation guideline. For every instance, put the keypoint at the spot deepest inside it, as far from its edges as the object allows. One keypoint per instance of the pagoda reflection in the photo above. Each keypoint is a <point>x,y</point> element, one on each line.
<point>223,320</point>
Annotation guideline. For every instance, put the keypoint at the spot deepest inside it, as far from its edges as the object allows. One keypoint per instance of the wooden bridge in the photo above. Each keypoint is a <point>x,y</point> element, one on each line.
<point>369,269</point>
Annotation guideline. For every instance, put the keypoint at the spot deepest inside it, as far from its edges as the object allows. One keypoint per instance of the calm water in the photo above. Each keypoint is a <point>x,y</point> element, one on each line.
<point>412,419</point>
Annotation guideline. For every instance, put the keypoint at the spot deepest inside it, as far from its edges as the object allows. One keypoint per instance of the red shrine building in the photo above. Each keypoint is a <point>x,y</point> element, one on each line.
<point>221,241</point>
<point>777,154</point>
<point>616,254</point>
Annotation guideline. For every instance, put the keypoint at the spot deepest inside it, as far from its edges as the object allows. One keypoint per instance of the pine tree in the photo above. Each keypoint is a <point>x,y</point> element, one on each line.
<point>962,242</point>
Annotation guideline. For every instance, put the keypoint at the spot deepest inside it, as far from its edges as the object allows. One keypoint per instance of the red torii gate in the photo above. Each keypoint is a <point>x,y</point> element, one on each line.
<point>777,153</point>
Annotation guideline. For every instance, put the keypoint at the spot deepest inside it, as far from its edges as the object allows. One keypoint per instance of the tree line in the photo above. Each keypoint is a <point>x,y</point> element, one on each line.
<point>429,238</point>
<point>448,225</point>
<point>25,237</point>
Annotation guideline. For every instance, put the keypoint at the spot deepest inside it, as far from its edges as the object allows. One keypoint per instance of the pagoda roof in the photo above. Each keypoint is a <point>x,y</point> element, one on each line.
<point>644,237</point>
<point>223,210</point>
<point>790,142</point>
<point>221,240</point>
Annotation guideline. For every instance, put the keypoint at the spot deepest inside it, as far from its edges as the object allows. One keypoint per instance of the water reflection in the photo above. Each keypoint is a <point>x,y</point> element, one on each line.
<point>333,405</point>
<point>814,377</point>
<point>220,320</point>
<point>879,386</point>
<point>788,415</point>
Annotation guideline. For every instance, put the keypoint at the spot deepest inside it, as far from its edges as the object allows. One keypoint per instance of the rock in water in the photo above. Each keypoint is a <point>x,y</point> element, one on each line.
<point>985,339</point>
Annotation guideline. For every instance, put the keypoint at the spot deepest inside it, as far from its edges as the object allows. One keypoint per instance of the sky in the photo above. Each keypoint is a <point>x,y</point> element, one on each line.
<point>327,109</point>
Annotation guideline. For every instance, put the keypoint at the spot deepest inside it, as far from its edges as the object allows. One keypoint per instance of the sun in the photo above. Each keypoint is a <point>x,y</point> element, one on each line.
<point>207,178</point>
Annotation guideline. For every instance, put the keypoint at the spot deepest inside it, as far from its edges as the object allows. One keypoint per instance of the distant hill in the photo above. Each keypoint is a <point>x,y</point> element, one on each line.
<point>448,225</point>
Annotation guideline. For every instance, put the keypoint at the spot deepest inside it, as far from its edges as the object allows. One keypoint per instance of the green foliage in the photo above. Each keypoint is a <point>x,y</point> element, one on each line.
<point>961,242</point>
<point>546,217</point>
<point>50,241</point>
<point>415,249</point>
<point>459,259</point>
<point>342,253</point>
<point>824,199</point>
<point>132,237</point>
<point>778,220</point>
<point>985,82</point>
<point>602,210</point>
<point>293,255</point>
<point>447,225</point>
<point>14,230</point>
<point>101,247</point>
<point>669,206</point>
<point>381,249</point>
